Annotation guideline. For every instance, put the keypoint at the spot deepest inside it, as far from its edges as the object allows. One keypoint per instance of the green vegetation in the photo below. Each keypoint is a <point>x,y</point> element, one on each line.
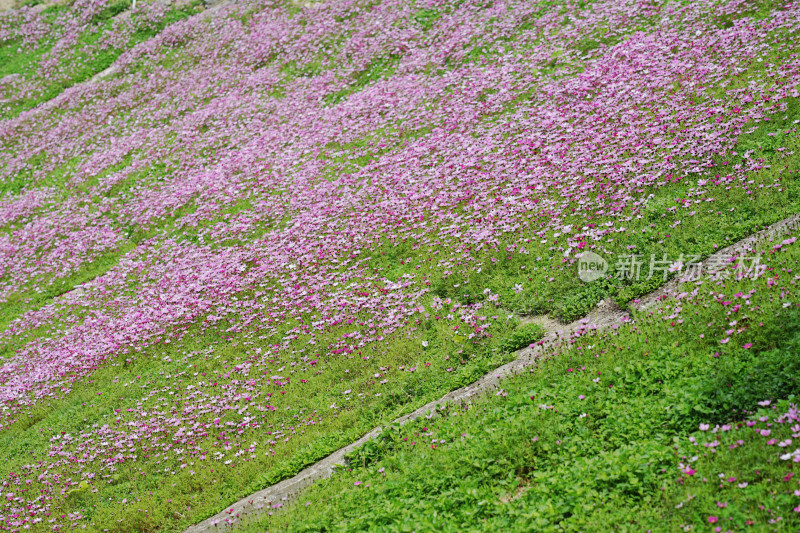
<point>86,58</point>
<point>602,433</point>
<point>223,201</point>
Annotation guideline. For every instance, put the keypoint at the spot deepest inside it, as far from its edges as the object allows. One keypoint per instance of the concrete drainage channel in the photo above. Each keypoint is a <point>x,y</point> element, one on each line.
<point>606,315</point>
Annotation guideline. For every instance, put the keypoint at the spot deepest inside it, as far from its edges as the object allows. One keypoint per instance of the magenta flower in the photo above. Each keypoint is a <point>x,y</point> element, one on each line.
<point>312,215</point>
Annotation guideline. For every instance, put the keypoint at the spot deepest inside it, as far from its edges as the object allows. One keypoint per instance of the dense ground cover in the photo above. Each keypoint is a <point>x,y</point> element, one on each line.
<point>44,50</point>
<point>293,224</point>
<point>684,419</point>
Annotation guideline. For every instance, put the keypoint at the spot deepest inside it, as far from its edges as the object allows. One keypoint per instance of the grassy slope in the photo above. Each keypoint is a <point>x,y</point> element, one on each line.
<point>603,433</point>
<point>77,63</point>
<point>171,500</point>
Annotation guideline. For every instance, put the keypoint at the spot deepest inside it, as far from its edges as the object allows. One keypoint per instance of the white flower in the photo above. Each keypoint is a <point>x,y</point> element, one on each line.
<point>677,266</point>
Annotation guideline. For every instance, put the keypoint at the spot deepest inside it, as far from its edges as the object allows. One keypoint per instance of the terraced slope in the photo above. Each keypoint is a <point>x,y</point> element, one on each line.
<point>685,419</point>
<point>289,224</point>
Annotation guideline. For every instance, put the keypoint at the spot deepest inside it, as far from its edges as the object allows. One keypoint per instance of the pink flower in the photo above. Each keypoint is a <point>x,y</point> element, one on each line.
<point>712,519</point>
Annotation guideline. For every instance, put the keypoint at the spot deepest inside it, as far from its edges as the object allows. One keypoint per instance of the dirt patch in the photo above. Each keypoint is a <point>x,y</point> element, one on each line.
<point>78,294</point>
<point>521,489</point>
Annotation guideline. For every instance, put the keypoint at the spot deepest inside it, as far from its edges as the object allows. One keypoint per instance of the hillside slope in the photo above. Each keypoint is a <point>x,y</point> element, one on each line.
<point>289,224</point>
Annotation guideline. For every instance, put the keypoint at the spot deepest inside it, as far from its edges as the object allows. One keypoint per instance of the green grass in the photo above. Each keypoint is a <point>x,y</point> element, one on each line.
<point>495,476</point>
<point>85,59</point>
<point>717,226</point>
<point>599,434</point>
<point>423,375</point>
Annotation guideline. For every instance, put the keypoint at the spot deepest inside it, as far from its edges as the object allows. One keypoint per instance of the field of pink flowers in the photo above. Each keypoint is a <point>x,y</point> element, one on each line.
<point>289,224</point>
<point>671,421</point>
